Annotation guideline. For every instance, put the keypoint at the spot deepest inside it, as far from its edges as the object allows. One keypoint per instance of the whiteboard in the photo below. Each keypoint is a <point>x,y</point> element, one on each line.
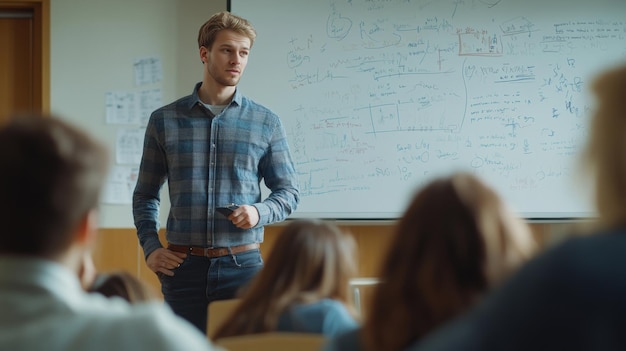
<point>379,96</point>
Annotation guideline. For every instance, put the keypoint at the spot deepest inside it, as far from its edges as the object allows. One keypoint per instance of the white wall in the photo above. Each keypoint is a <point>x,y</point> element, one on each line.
<point>93,47</point>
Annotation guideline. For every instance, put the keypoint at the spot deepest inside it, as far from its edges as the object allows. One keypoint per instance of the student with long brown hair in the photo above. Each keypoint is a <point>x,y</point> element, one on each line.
<point>303,286</point>
<point>573,295</point>
<point>454,242</point>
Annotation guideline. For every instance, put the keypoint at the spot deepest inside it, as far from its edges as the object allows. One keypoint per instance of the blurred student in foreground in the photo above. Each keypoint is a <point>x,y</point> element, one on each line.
<point>573,296</point>
<point>49,189</point>
<point>303,286</point>
<point>456,240</point>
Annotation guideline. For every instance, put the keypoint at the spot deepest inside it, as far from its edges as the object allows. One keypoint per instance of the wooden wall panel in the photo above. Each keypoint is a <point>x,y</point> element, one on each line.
<point>372,243</point>
<point>118,249</point>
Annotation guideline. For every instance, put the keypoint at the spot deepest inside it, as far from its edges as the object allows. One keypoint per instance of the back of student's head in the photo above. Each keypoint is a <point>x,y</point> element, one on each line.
<point>454,241</point>
<point>122,284</point>
<point>51,177</point>
<point>605,154</point>
<point>310,260</point>
<point>314,259</point>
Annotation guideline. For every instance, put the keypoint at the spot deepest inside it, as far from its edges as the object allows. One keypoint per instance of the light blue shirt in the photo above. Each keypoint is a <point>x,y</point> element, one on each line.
<point>328,317</point>
<point>210,161</point>
<point>43,307</point>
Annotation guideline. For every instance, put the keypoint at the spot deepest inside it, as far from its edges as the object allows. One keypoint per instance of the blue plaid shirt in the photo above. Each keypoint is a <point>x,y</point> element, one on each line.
<point>209,162</point>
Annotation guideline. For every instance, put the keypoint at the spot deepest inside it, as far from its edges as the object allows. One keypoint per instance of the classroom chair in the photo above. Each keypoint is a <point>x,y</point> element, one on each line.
<point>218,311</point>
<point>274,341</point>
<point>356,284</point>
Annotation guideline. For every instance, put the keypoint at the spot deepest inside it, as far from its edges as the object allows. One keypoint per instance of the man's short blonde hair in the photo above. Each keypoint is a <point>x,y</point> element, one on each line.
<point>221,21</point>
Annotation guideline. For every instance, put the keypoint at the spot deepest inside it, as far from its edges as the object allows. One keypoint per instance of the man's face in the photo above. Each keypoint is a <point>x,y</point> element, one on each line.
<point>227,58</point>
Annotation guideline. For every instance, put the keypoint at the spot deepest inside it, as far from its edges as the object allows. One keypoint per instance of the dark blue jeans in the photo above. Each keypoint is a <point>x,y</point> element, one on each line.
<point>200,280</point>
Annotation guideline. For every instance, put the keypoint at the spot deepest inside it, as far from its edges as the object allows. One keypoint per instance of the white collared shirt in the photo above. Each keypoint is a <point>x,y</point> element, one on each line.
<point>43,307</point>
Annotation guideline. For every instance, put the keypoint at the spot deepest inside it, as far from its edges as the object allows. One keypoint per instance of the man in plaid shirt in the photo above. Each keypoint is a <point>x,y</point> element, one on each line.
<point>214,147</point>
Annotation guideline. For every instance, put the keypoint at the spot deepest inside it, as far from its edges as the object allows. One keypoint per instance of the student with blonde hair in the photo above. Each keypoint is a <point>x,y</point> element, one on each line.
<point>303,286</point>
<point>572,296</point>
<point>456,240</point>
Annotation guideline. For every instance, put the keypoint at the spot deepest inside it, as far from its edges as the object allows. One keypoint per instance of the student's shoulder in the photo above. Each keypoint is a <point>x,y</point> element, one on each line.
<point>331,303</point>
<point>323,309</point>
<point>157,325</point>
<point>596,247</point>
<point>337,318</point>
<point>585,260</point>
<point>328,305</point>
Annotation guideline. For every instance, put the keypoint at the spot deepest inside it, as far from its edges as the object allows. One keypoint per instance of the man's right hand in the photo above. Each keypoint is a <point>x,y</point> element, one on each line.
<point>165,261</point>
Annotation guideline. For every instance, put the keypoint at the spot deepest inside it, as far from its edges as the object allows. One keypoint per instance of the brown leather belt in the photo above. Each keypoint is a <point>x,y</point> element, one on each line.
<point>212,251</point>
